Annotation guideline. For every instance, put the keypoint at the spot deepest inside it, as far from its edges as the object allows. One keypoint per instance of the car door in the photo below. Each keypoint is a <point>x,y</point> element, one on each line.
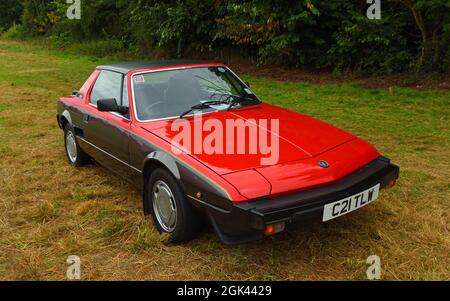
<point>107,133</point>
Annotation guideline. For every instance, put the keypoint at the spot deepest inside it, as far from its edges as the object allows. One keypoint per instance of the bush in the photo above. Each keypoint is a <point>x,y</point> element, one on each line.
<point>11,10</point>
<point>370,46</point>
<point>39,17</point>
<point>336,34</point>
<point>14,32</point>
<point>173,26</point>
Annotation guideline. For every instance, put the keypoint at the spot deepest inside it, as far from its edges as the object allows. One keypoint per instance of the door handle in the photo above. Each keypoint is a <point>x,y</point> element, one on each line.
<point>86,118</point>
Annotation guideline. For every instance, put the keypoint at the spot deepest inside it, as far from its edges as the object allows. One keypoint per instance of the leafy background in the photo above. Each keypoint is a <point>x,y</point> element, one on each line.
<point>412,35</point>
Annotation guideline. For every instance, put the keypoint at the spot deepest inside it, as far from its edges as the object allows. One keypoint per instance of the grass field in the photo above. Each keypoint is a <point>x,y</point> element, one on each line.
<point>49,210</point>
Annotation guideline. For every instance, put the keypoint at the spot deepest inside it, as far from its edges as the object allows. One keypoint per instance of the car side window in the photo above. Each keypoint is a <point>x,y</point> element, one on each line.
<point>125,101</point>
<point>107,85</point>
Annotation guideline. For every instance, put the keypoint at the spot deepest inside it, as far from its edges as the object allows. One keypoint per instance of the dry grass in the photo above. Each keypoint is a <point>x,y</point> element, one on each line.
<point>49,210</point>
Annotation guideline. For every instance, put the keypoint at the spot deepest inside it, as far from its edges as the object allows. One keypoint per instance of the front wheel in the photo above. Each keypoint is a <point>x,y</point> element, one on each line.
<point>171,212</point>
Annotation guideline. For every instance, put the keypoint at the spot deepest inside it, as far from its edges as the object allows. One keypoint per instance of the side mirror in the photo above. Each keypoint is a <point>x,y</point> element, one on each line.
<point>247,84</point>
<point>110,105</point>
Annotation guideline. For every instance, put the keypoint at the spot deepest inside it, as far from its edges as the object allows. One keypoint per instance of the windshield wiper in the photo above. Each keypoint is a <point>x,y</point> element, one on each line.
<point>202,105</point>
<point>231,103</point>
<point>238,98</point>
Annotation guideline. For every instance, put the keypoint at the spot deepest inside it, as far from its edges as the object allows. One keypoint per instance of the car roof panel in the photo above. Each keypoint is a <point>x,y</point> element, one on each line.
<point>139,65</point>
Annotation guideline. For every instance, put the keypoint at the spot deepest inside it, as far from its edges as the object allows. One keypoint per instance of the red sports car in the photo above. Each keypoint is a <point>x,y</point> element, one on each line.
<point>200,145</point>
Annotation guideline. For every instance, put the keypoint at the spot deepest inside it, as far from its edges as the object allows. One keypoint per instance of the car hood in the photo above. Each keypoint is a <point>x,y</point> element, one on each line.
<point>300,137</point>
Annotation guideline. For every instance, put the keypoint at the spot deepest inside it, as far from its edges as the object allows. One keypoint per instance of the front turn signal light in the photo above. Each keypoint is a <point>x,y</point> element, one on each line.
<point>392,183</point>
<point>274,228</point>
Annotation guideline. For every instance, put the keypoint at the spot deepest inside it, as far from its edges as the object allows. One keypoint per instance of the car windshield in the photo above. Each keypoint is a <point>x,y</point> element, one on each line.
<point>164,94</point>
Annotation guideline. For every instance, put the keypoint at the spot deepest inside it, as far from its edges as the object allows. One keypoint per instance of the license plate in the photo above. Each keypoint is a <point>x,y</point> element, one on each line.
<point>351,203</point>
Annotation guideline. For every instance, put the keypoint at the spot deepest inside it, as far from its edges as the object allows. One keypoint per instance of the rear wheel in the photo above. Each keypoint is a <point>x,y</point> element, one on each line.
<point>75,155</point>
<point>171,212</point>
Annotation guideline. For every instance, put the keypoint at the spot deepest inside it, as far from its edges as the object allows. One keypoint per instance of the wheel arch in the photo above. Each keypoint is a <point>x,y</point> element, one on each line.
<point>65,118</point>
<point>160,159</point>
<point>188,179</point>
<point>154,160</point>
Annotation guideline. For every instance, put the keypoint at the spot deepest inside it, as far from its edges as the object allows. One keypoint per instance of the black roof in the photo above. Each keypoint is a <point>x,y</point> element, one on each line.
<point>130,66</point>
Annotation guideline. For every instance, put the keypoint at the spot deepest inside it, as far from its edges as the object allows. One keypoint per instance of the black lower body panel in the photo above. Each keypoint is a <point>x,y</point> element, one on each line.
<point>247,221</point>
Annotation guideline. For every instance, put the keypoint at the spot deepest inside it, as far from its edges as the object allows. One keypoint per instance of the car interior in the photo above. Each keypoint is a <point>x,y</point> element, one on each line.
<point>166,98</point>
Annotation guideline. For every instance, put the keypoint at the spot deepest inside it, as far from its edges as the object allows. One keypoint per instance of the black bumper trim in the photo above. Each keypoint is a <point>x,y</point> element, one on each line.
<point>246,221</point>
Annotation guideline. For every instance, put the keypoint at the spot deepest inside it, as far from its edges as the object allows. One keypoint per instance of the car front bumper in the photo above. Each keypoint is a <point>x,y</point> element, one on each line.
<point>247,221</point>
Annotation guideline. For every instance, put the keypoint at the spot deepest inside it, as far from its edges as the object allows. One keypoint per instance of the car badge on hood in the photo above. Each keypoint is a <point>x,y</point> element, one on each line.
<point>324,164</point>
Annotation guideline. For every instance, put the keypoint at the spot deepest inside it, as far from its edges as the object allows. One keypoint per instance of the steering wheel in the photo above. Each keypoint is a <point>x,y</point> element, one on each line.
<point>148,110</point>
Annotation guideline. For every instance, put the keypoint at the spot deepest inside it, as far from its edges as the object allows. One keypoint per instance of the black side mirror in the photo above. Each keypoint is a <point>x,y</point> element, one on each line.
<point>247,84</point>
<point>110,105</point>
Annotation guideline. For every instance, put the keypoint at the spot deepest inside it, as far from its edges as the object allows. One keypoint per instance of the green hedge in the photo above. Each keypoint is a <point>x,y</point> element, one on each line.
<point>334,34</point>
<point>10,12</point>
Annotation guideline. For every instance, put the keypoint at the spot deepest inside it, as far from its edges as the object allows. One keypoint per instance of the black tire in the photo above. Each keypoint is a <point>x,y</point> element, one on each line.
<point>79,157</point>
<point>187,224</point>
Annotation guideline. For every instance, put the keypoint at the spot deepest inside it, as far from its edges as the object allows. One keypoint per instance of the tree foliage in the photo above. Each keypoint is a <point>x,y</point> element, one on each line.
<point>336,34</point>
<point>10,12</point>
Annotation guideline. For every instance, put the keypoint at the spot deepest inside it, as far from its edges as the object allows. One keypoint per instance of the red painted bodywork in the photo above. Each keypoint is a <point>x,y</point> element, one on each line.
<point>303,142</point>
